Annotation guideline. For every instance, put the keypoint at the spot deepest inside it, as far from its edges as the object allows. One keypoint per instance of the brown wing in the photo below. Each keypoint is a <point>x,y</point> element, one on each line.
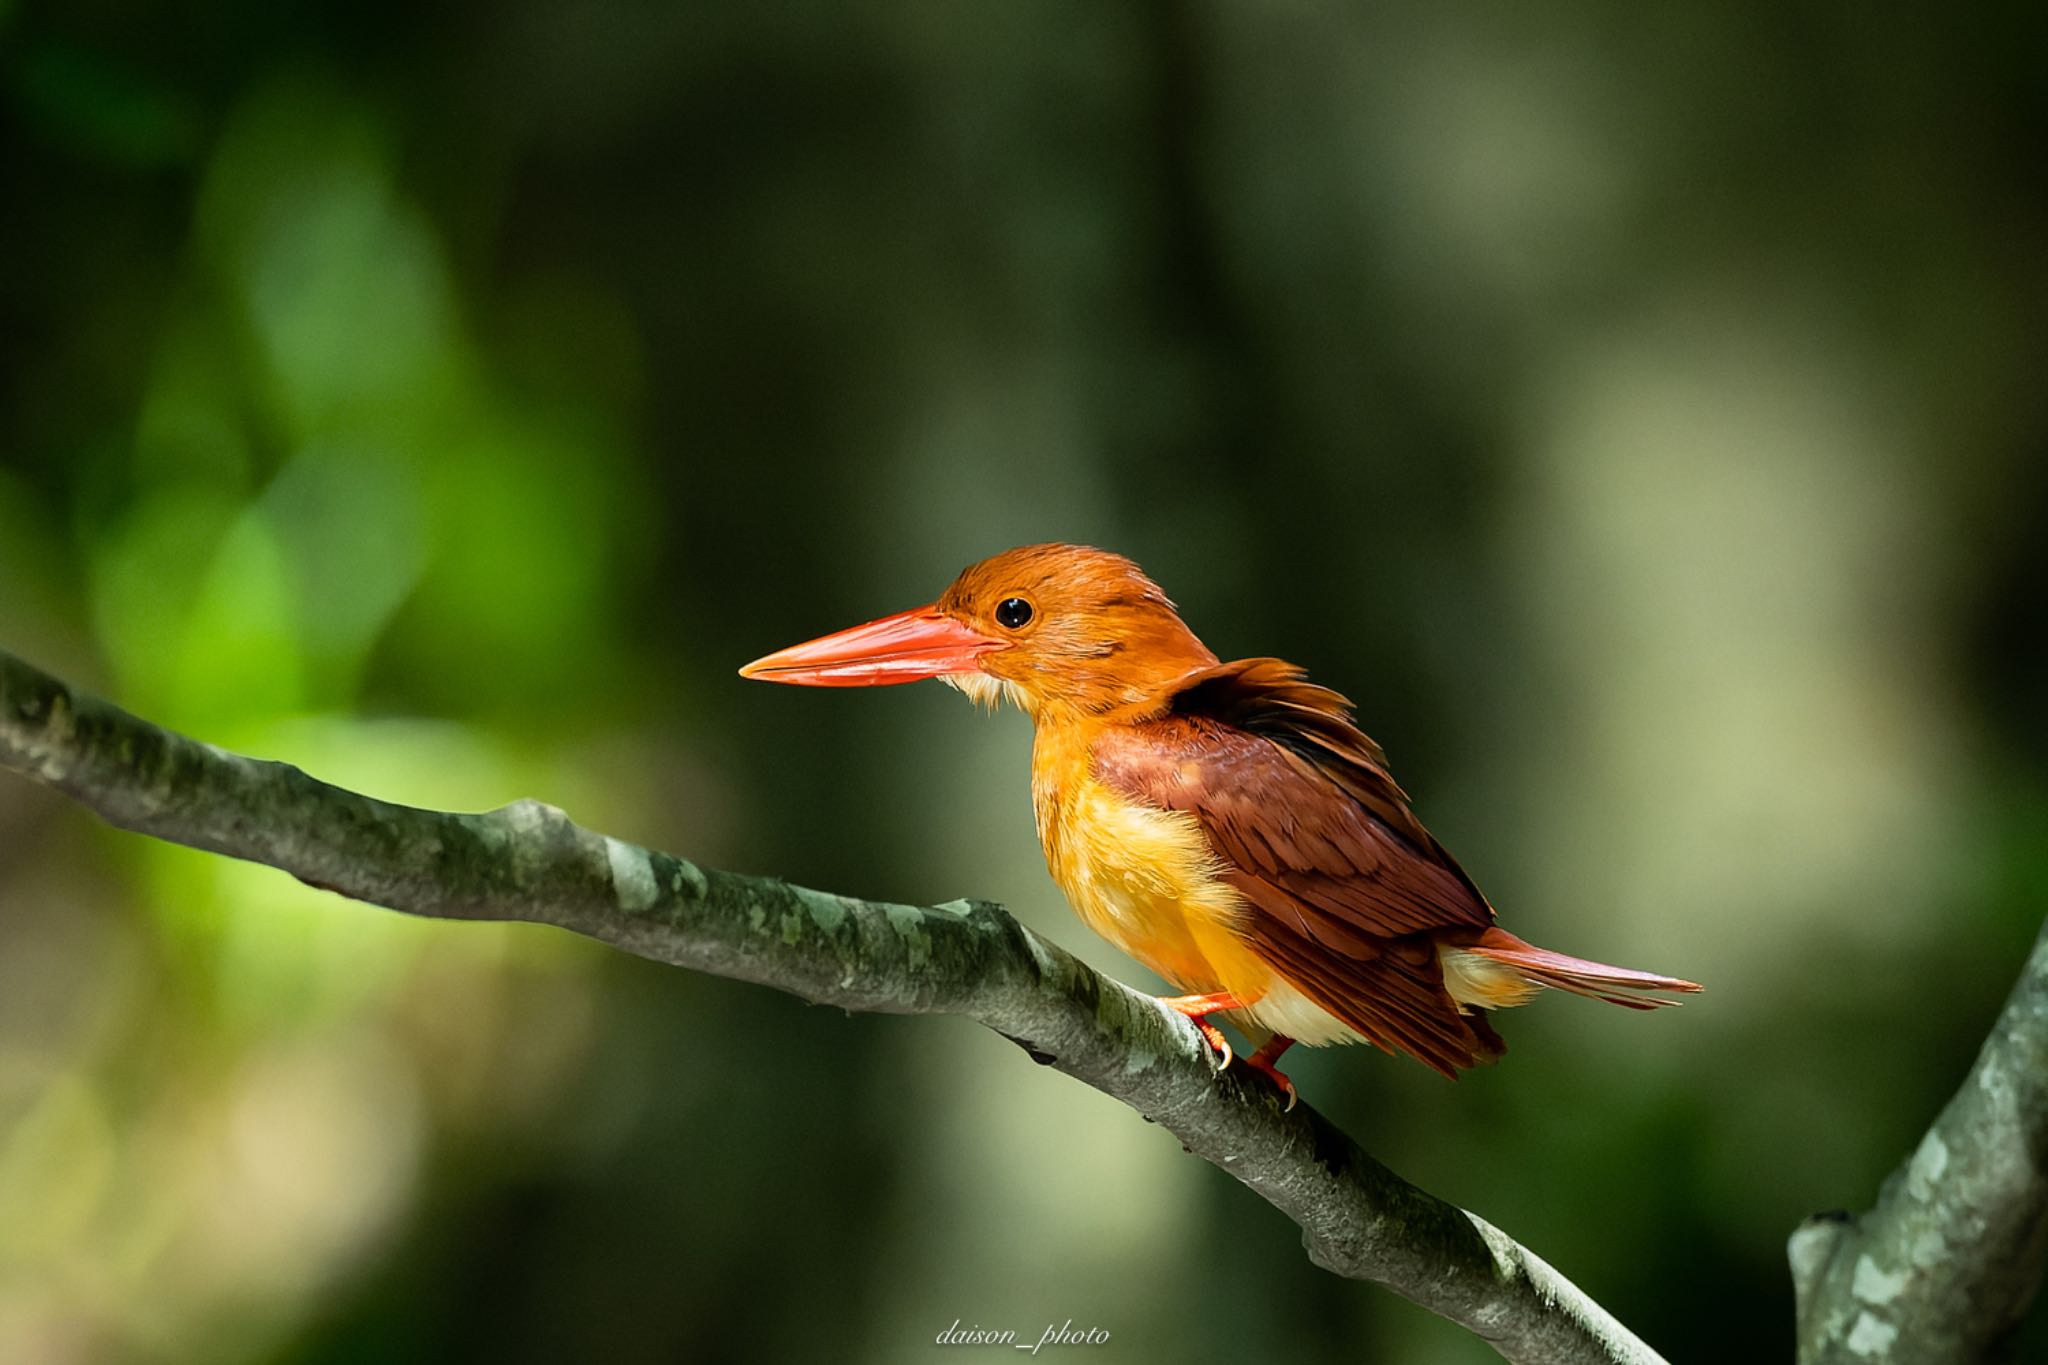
<point>1349,894</point>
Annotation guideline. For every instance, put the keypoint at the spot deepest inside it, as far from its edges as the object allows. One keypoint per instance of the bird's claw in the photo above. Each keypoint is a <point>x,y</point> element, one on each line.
<point>1197,1009</point>
<point>1263,1061</point>
<point>1280,1082</point>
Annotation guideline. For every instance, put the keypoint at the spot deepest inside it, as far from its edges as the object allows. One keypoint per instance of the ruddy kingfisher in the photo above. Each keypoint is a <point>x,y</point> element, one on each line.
<point>1225,824</point>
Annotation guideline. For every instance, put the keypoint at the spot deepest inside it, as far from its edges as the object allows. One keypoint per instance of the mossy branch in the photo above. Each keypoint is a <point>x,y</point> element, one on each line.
<point>1943,1268</point>
<point>528,861</point>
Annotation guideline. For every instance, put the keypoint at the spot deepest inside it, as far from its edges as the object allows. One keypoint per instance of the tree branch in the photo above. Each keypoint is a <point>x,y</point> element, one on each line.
<point>1943,1268</point>
<point>529,862</point>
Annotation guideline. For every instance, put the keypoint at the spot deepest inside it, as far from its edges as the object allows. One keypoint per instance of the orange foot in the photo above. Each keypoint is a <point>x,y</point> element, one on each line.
<point>1198,1008</point>
<point>1263,1060</point>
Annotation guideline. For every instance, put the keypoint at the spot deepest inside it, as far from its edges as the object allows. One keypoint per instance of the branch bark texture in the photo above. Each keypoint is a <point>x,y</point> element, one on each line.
<point>1942,1270</point>
<point>528,861</point>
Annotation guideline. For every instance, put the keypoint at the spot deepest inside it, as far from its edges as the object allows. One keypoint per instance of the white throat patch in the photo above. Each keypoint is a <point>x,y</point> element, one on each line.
<point>984,690</point>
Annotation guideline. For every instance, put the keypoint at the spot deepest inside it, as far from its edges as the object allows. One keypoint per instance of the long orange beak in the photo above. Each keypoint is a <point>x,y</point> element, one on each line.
<point>902,648</point>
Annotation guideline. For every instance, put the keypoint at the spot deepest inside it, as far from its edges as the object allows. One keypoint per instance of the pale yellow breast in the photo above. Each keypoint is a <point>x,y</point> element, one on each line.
<point>1142,877</point>
<point>1145,879</point>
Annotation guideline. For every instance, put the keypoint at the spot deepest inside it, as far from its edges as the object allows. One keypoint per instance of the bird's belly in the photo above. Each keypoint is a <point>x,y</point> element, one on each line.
<point>1144,879</point>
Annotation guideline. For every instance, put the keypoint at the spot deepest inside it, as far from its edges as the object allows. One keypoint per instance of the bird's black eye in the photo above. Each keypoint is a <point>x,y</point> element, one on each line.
<point>1013,613</point>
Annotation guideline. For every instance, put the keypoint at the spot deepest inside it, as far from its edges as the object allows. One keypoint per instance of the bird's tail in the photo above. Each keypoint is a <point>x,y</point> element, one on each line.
<point>1474,975</point>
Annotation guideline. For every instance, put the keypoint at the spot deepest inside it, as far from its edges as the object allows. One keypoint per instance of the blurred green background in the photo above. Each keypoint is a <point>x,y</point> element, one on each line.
<point>1637,409</point>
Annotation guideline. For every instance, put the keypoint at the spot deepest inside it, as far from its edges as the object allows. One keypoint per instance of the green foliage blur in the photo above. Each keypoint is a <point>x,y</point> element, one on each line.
<point>1638,410</point>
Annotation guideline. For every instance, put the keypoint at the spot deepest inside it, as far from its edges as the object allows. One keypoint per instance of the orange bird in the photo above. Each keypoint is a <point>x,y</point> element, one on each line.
<point>1226,824</point>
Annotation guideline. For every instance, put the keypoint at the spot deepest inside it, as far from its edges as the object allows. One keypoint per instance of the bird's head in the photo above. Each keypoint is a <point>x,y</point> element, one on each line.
<point>1052,627</point>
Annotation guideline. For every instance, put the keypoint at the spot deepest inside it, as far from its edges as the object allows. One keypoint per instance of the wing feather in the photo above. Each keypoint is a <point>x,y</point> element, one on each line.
<point>1349,894</point>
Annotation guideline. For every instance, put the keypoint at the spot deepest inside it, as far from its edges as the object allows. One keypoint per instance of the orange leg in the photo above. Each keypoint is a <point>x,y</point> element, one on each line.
<point>1263,1061</point>
<point>1198,1008</point>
